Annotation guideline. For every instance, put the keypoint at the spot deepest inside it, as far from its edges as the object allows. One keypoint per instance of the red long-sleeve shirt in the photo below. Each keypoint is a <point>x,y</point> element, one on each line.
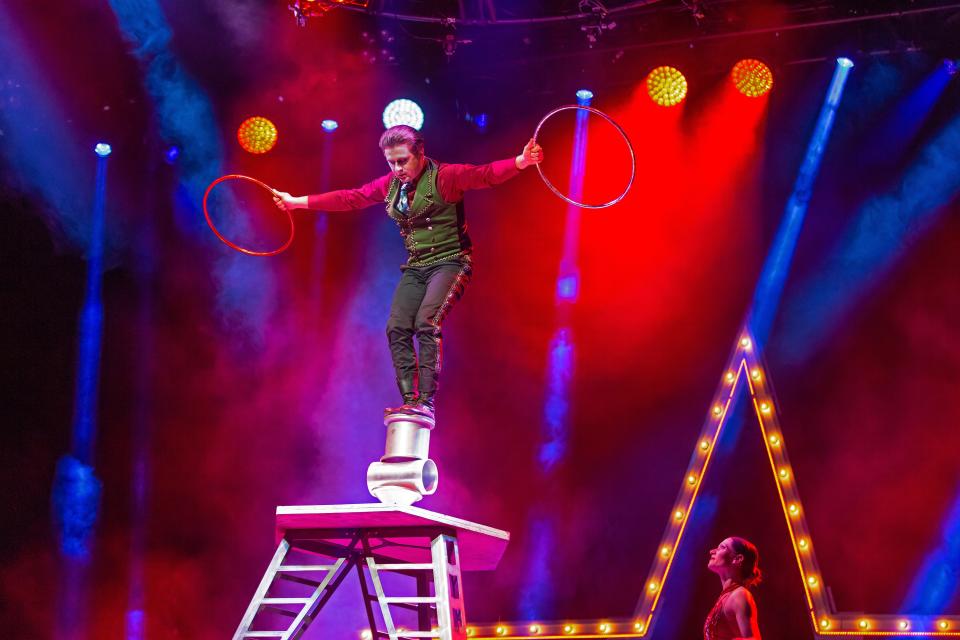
<point>452,181</point>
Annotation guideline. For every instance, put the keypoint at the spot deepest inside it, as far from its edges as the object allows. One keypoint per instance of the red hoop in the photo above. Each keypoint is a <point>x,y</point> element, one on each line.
<point>206,214</point>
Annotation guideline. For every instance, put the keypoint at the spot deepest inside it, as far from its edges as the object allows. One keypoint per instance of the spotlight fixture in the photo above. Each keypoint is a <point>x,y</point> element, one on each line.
<point>845,62</point>
<point>584,96</point>
<point>172,154</point>
<point>257,135</point>
<point>601,20</point>
<point>752,78</point>
<point>403,111</point>
<point>951,66</point>
<point>329,125</point>
<point>102,149</point>
<point>667,86</point>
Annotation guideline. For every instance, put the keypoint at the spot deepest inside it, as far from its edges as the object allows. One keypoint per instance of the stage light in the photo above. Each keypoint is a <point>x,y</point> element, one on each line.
<point>784,474</point>
<point>730,377</point>
<point>534,629</point>
<point>844,62</point>
<point>366,635</point>
<point>824,623</point>
<point>943,625</point>
<point>765,407</point>
<point>691,479</point>
<point>664,552</point>
<point>403,111</point>
<point>678,514</point>
<point>755,374</point>
<point>501,630</point>
<point>745,343</point>
<point>584,96</point>
<point>605,628</point>
<point>257,135</point>
<point>794,509</point>
<point>666,86</point>
<point>568,629</point>
<point>639,627</point>
<point>172,154</point>
<point>812,581</point>
<point>752,78</point>
<point>704,445</point>
<point>903,625</point>
<point>653,587</point>
<point>951,66</point>
<point>863,624</point>
<point>802,543</point>
<point>329,125</point>
<point>774,440</point>
<point>102,149</point>
<point>717,410</point>
<point>471,631</point>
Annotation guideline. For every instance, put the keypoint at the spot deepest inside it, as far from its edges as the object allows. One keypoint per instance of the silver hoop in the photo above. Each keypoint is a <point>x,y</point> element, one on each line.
<point>633,157</point>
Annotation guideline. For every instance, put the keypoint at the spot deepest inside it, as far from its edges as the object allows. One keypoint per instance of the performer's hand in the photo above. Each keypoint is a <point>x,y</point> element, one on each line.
<point>532,154</point>
<point>287,202</point>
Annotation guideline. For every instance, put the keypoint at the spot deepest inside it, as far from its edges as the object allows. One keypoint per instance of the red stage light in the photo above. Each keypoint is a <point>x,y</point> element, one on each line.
<point>752,78</point>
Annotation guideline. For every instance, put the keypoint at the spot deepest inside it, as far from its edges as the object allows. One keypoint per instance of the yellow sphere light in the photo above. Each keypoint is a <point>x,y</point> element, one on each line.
<point>752,78</point>
<point>257,135</point>
<point>666,86</point>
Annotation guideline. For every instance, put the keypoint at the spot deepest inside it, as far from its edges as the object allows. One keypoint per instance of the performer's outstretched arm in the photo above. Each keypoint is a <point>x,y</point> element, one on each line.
<point>458,178</point>
<point>340,200</point>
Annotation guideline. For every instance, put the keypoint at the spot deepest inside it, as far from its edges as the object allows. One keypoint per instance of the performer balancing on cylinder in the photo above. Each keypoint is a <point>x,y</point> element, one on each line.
<point>734,615</point>
<point>425,198</point>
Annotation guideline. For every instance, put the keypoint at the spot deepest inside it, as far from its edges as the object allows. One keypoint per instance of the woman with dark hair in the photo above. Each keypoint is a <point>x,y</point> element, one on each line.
<point>734,615</point>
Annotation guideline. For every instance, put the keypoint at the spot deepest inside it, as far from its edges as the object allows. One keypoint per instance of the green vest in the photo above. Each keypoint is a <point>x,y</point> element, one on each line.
<point>432,229</point>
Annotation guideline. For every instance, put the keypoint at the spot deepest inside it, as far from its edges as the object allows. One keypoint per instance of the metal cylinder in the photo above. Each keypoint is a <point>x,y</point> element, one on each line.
<point>402,482</point>
<point>408,438</point>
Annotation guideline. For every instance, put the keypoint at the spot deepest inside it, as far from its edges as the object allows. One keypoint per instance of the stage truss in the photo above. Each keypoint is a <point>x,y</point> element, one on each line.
<point>745,373</point>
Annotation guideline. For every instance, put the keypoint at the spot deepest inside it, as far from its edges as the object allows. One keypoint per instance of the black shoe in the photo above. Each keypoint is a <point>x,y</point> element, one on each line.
<point>410,405</point>
<point>425,407</point>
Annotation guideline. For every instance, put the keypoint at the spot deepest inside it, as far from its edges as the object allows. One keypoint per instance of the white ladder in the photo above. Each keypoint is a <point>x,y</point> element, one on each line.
<point>301,609</point>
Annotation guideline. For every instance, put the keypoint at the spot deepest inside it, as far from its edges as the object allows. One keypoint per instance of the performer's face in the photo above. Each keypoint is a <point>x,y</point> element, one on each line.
<point>404,164</point>
<point>724,556</point>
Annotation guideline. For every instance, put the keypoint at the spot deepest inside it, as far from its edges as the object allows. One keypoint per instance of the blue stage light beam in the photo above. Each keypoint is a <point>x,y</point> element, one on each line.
<point>938,581</point>
<point>773,276</point>
<point>536,592</point>
<point>246,291</point>
<point>560,366</point>
<point>892,139</point>
<point>883,231</point>
<point>76,489</point>
<point>42,162</point>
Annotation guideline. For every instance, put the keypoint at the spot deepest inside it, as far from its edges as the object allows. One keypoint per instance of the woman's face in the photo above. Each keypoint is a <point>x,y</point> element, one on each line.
<point>724,556</point>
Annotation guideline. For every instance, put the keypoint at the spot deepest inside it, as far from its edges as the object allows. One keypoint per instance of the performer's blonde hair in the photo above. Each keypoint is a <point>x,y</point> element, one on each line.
<point>402,134</point>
